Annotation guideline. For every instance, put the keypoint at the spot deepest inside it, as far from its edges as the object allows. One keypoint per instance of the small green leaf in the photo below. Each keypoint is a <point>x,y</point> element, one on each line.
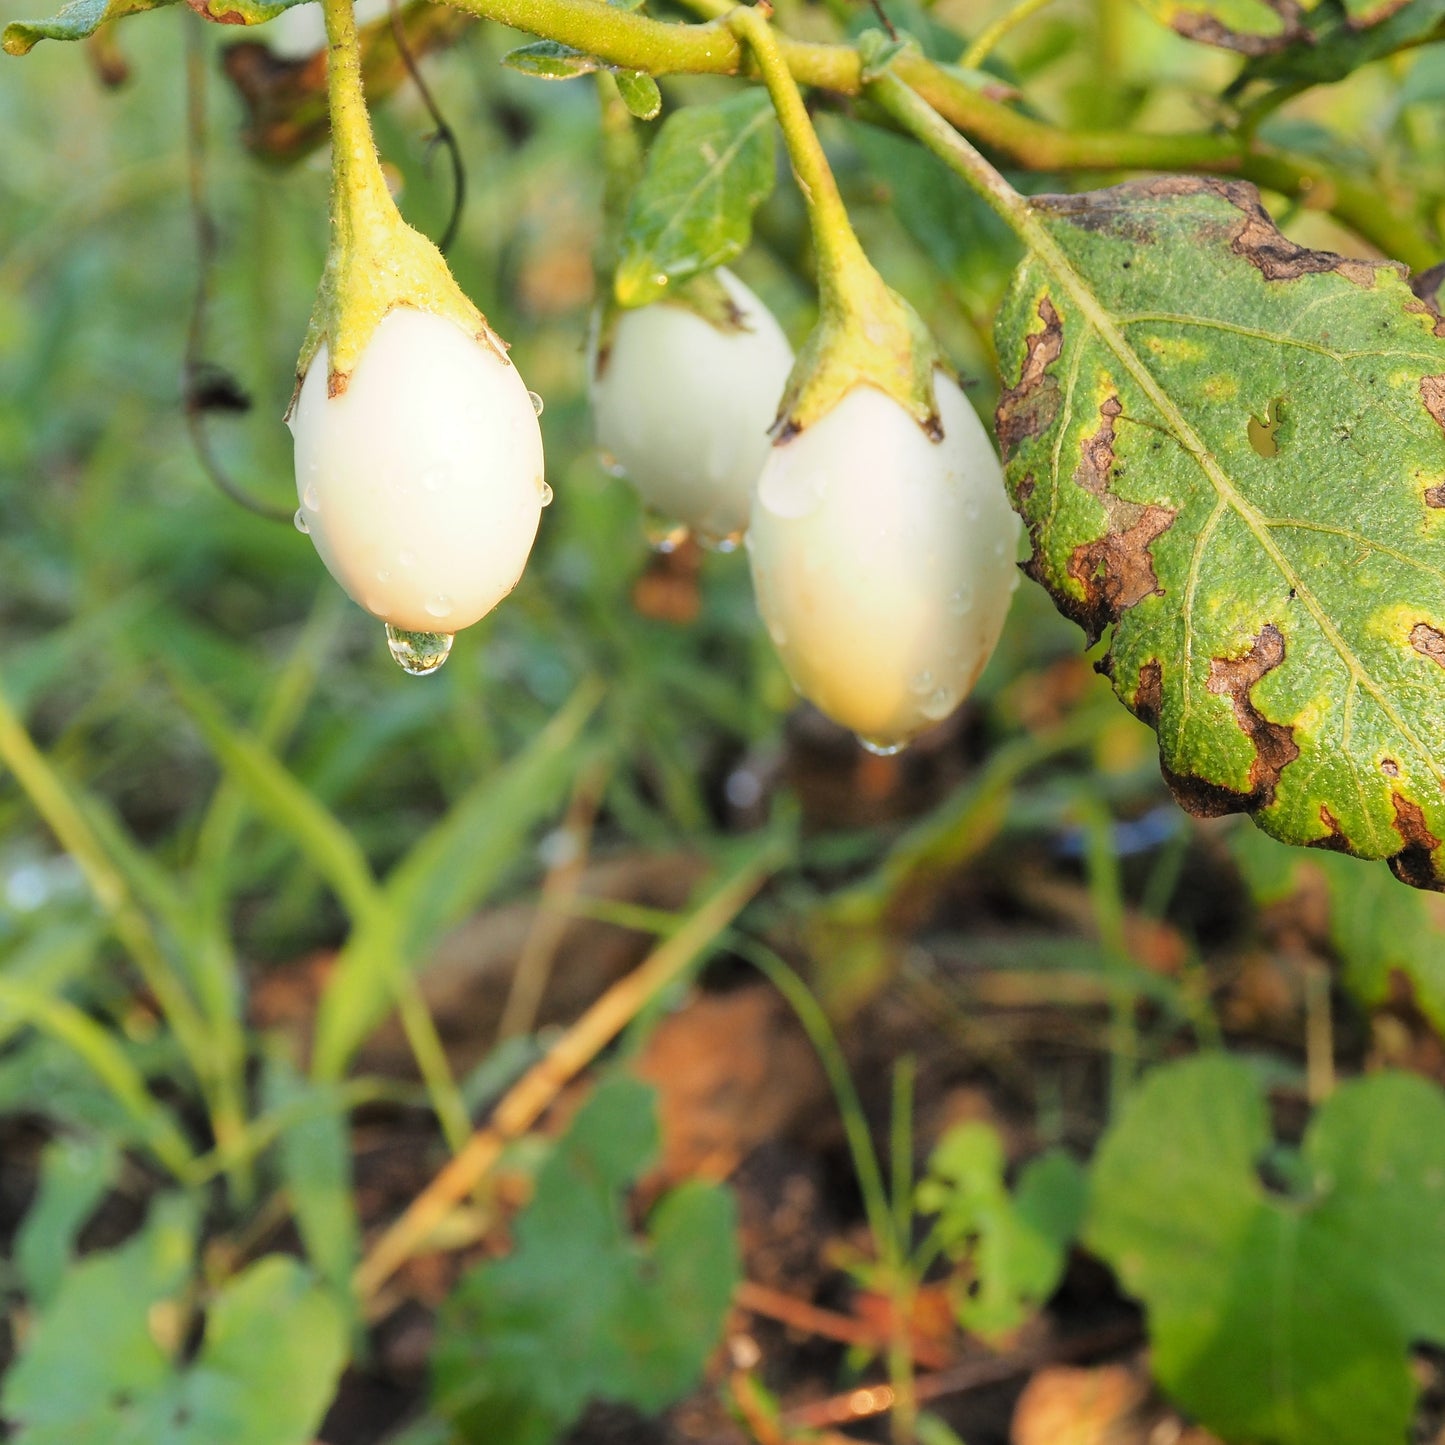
<point>1252,27</point>
<point>581,1310</point>
<point>1015,1246</point>
<point>1277,610</point>
<point>709,169</point>
<point>1342,35</point>
<point>550,60</point>
<point>1279,1320</point>
<point>639,94</point>
<point>75,1173</point>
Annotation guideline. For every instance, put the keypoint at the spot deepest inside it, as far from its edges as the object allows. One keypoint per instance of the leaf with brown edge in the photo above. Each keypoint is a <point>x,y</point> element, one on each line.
<point>1275,605</point>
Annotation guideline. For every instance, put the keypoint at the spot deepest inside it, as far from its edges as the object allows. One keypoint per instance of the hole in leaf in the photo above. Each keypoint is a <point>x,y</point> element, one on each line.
<point>1261,433</point>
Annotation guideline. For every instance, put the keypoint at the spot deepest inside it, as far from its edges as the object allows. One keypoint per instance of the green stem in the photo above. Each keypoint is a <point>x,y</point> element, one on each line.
<point>990,36</point>
<point>844,271</point>
<point>359,195</point>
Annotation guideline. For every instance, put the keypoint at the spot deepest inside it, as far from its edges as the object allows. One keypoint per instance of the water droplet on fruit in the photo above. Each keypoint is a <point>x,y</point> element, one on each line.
<point>938,706</point>
<point>998,548</point>
<point>971,509</point>
<point>405,558</point>
<point>537,402</point>
<point>300,521</point>
<point>545,493</point>
<point>778,633</point>
<point>789,491</point>
<point>311,498</point>
<point>715,543</point>
<point>418,653</point>
<point>436,477</point>
<point>383,575</point>
<point>960,602</point>
<point>921,683</point>
<point>881,747</point>
<point>663,534</point>
<point>439,605</point>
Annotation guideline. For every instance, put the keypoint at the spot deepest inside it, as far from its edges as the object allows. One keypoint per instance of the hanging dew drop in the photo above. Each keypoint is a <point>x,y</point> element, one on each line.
<point>418,653</point>
<point>712,542</point>
<point>663,534</point>
<point>881,747</point>
<point>537,402</point>
<point>300,520</point>
<point>545,493</point>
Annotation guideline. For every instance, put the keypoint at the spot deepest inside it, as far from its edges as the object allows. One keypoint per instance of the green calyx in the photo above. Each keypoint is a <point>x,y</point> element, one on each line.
<point>866,336</point>
<point>375,262</point>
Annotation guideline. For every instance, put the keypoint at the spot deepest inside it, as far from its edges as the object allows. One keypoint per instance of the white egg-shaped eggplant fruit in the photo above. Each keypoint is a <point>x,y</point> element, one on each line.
<point>883,562</point>
<point>422,483</point>
<point>685,408</point>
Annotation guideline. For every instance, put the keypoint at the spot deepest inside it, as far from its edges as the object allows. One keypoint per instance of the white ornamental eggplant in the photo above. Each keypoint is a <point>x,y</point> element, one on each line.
<point>883,561</point>
<point>421,484</point>
<point>684,406</point>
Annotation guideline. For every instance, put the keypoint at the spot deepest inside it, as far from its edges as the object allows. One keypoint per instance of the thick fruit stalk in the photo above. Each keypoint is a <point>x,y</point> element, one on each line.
<point>684,401</point>
<point>418,455</point>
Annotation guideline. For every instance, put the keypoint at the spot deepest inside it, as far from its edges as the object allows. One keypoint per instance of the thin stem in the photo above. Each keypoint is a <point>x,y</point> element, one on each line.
<point>994,32</point>
<point>842,265</point>
<point>534,1092</point>
<point>902,1282</point>
<point>825,1044</point>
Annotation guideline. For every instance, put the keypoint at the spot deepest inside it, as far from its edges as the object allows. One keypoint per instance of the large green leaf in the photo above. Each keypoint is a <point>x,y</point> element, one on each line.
<point>100,1367</point>
<point>707,172</point>
<point>1279,1320</point>
<point>580,1310</point>
<point>1230,449</point>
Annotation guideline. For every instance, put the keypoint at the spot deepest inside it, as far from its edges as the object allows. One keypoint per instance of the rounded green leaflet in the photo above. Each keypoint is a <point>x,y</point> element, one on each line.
<point>1230,450</point>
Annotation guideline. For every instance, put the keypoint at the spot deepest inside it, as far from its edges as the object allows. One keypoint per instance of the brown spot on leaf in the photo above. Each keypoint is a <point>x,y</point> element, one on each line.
<point>1210,30</point>
<point>1334,840</point>
<point>1428,642</point>
<point>1426,286</point>
<point>1116,571</point>
<point>1390,768</point>
<point>1274,744</point>
<point>1260,242</point>
<point>1029,407</point>
<point>1149,695</point>
<point>1435,496</point>
<point>1414,863</point>
<point>1432,393</point>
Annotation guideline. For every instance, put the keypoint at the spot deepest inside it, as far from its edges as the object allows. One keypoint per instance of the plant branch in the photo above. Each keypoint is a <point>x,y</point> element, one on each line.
<point>636,42</point>
<point>534,1092</point>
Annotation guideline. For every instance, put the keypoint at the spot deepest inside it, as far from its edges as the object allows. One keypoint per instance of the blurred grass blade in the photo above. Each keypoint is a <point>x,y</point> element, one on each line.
<point>445,875</point>
<point>106,1060</point>
<point>315,1155</point>
<point>278,795</point>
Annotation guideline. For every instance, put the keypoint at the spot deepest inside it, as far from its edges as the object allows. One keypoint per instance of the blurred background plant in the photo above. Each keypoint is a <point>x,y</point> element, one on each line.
<point>279,926</point>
